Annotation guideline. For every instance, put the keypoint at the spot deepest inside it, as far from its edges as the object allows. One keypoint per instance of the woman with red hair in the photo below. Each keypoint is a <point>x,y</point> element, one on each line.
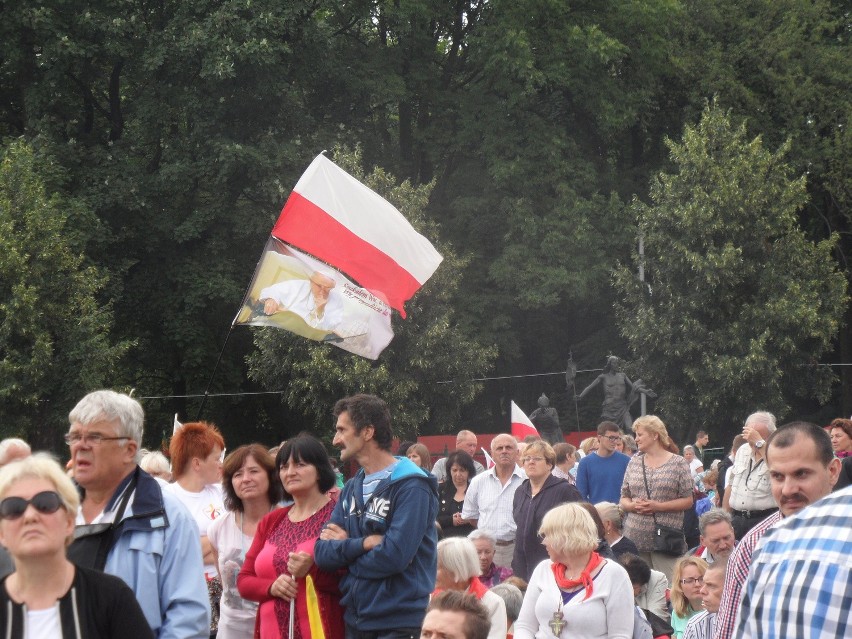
<point>196,452</point>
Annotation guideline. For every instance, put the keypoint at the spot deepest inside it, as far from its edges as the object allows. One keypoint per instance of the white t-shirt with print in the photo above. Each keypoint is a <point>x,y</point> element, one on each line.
<point>205,507</point>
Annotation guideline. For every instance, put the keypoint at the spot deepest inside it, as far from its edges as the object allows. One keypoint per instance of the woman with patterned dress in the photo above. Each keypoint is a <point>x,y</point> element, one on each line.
<point>279,566</point>
<point>657,489</point>
<point>252,490</point>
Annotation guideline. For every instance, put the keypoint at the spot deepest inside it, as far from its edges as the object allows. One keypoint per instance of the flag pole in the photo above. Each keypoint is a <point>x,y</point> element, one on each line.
<point>213,374</point>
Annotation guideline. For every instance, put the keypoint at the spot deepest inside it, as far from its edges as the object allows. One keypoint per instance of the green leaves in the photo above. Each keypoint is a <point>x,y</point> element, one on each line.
<point>738,302</point>
<point>55,341</point>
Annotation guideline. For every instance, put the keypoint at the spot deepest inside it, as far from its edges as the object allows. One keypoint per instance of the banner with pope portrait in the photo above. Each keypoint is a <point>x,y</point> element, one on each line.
<point>296,292</point>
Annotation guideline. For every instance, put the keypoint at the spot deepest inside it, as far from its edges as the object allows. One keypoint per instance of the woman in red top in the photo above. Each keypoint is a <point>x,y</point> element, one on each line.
<point>279,566</point>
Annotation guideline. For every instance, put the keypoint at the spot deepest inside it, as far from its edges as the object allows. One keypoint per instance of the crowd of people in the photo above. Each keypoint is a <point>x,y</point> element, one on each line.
<point>550,541</point>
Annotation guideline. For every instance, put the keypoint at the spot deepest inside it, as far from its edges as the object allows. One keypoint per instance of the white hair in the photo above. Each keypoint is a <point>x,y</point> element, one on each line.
<point>12,445</point>
<point>457,555</point>
<point>107,405</point>
<point>763,417</point>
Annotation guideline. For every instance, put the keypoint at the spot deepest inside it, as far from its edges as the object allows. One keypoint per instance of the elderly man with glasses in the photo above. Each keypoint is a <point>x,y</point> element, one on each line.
<point>127,526</point>
<point>600,474</point>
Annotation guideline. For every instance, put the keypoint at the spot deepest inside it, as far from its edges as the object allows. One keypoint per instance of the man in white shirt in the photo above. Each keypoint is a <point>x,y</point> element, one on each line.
<point>314,300</point>
<point>748,495</point>
<point>490,497</point>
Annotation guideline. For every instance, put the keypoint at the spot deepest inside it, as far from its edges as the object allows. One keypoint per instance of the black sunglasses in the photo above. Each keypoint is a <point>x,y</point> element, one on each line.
<point>46,502</point>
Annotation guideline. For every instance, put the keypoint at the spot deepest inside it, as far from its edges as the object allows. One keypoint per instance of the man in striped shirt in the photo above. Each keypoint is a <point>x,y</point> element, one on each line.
<point>701,625</point>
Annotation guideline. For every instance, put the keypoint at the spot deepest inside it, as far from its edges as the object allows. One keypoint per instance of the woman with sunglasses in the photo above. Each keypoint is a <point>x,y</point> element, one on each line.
<point>47,595</point>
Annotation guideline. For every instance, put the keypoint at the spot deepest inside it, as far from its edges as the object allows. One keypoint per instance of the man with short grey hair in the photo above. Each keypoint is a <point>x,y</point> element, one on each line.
<point>128,526</point>
<point>717,536</point>
<point>748,496</point>
<point>465,440</point>
<point>490,497</point>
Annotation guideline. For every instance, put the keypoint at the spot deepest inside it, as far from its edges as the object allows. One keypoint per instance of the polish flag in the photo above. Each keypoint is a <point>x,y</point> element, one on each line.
<point>489,462</point>
<point>521,424</point>
<point>337,219</point>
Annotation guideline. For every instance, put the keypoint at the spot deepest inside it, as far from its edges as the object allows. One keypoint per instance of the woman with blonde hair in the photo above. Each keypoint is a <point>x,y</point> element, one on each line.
<point>589,445</point>
<point>656,490</point>
<point>47,595</point>
<point>575,593</point>
<point>687,580</point>
<point>458,569</point>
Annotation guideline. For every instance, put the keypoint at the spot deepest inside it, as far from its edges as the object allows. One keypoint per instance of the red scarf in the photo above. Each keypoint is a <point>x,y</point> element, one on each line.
<point>476,588</point>
<point>585,578</point>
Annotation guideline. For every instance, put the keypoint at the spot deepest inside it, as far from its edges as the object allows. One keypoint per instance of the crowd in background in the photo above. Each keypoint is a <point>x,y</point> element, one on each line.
<point>627,535</point>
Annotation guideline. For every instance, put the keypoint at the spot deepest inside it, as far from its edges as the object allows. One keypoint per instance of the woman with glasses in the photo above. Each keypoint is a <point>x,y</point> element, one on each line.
<point>47,595</point>
<point>536,495</point>
<point>687,580</point>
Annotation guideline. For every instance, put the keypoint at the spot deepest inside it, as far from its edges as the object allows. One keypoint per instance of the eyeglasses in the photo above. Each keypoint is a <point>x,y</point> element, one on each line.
<point>46,502</point>
<point>527,460</point>
<point>92,439</point>
<point>692,580</point>
<point>612,438</point>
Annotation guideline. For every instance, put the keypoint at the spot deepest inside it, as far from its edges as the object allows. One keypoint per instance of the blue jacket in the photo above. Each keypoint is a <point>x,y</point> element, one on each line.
<point>389,586</point>
<point>158,554</point>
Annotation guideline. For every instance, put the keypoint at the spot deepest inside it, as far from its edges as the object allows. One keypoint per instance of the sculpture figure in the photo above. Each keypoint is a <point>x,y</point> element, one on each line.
<point>546,420</point>
<point>619,394</point>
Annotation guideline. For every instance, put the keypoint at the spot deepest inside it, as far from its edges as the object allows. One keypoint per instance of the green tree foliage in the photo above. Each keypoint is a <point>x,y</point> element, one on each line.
<point>427,350</point>
<point>738,304</point>
<point>55,341</point>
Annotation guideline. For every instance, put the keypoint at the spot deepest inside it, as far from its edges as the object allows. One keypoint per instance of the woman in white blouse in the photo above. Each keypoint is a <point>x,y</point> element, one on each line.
<point>576,593</point>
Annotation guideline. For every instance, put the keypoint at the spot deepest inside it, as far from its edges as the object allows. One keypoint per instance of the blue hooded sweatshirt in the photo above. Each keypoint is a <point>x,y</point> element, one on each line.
<point>389,586</point>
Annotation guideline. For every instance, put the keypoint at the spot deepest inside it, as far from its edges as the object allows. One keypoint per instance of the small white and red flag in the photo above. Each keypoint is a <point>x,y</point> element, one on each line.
<point>339,220</point>
<point>521,424</point>
<point>489,461</point>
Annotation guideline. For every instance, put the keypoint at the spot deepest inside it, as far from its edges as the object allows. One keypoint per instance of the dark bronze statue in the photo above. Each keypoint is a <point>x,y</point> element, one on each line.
<point>619,393</point>
<point>545,418</point>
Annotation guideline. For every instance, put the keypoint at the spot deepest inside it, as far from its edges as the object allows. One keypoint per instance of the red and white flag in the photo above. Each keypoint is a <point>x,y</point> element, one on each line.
<point>521,424</point>
<point>489,461</point>
<point>337,219</point>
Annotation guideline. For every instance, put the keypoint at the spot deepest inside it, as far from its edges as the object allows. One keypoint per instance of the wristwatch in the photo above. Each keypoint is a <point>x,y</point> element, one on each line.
<point>760,443</point>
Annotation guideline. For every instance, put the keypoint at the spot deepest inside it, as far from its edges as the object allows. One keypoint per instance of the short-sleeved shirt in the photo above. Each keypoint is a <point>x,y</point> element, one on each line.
<point>749,482</point>
<point>204,506</point>
<point>237,615</point>
<point>491,503</point>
